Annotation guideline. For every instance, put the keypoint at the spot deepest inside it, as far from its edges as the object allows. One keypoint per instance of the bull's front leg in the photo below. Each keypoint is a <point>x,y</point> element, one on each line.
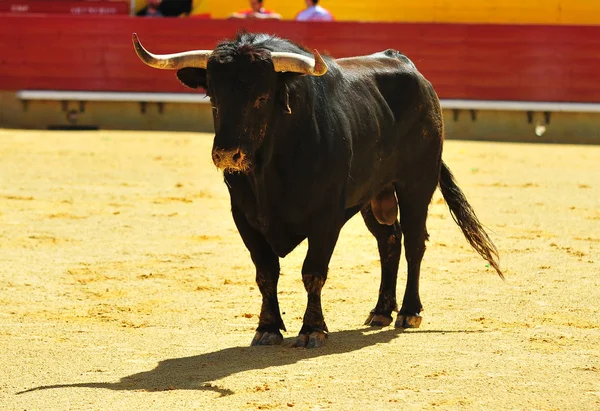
<point>267,275</point>
<point>314,274</point>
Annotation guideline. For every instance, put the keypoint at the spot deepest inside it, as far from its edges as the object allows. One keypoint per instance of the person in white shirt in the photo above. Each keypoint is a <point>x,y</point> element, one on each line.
<point>314,12</point>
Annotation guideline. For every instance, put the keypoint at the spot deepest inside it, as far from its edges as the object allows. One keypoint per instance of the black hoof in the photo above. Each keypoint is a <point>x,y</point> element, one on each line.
<point>378,320</point>
<point>313,340</point>
<point>267,338</point>
<point>408,321</point>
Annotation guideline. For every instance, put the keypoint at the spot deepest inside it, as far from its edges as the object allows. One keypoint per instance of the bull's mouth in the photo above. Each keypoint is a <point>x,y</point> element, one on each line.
<point>231,160</point>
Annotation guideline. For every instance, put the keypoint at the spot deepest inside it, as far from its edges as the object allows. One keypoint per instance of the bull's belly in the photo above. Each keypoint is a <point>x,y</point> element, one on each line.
<point>360,194</point>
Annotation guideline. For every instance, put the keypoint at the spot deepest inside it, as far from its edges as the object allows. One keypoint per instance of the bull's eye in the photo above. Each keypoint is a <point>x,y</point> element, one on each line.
<point>261,101</point>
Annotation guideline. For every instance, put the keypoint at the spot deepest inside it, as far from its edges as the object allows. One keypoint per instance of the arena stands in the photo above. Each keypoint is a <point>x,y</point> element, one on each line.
<point>580,12</point>
<point>535,67</point>
<point>72,7</point>
<point>429,11</point>
<point>572,12</point>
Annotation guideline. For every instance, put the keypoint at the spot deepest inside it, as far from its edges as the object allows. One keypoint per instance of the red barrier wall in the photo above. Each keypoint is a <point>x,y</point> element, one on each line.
<point>491,62</point>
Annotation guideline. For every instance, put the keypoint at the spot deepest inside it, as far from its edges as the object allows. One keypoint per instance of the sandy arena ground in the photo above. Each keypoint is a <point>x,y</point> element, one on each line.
<point>125,286</point>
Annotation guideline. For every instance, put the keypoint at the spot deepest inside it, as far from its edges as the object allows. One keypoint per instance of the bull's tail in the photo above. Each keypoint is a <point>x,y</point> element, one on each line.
<point>464,215</point>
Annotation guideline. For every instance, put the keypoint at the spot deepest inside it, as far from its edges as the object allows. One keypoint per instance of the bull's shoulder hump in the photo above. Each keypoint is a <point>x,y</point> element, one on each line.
<point>393,54</point>
<point>387,59</point>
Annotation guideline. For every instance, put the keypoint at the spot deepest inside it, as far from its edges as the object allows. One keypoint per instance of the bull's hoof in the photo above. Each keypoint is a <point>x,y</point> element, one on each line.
<point>267,338</point>
<point>315,339</point>
<point>378,320</point>
<point>408,321</point>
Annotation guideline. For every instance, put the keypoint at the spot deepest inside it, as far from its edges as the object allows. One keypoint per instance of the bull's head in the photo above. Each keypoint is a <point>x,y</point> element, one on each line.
<point>244,95</point>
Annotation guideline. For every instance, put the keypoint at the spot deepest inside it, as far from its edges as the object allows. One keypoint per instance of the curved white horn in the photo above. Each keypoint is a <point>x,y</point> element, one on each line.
<point>193,58</point>
<point>298,63</point>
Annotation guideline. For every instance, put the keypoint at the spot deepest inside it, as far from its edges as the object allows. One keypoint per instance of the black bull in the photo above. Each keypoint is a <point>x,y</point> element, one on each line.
<point>301,154</point>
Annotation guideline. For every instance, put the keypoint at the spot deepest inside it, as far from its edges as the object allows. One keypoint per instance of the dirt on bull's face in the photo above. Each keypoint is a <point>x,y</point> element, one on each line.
<point>235,160</point>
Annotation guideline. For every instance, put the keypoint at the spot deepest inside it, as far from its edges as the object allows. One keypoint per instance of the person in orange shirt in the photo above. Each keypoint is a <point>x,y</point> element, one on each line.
<point>256,11</point>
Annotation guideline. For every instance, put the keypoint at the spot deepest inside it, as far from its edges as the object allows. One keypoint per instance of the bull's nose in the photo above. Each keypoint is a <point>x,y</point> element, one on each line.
<point>237,156</point>
<point>230,159</point>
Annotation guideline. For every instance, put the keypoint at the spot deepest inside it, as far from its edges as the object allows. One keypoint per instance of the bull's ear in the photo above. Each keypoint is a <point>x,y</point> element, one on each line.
<point>192,77</point>
<point>283,97</point>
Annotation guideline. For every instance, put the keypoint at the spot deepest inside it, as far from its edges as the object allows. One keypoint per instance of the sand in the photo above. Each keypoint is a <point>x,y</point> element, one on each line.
<point>125,286</point>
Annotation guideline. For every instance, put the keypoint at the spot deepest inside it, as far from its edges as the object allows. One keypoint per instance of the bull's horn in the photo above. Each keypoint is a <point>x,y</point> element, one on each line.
<point>194,58</point>
<point>298,63</point>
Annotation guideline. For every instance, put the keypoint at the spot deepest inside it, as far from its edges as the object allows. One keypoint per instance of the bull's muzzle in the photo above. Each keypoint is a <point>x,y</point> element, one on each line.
<point>231,160</point>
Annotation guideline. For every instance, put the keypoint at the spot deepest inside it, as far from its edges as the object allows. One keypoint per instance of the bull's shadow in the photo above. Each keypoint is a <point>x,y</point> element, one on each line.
<point>198,372</point>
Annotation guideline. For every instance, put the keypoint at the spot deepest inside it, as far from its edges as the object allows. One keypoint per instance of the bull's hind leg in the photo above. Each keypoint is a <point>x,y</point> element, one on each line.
<point>413,215</point>
<point>267,276</point>
<point>389,239</point>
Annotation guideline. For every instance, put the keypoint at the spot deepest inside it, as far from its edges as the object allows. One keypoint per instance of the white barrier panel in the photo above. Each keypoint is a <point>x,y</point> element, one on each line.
<point>448,104</point>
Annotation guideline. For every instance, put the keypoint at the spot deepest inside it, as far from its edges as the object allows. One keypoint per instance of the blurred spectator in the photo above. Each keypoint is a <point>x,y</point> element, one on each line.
<point>256,11</point>
<point>314,12</point>
<point>166,8</point>
<point>152,9</point>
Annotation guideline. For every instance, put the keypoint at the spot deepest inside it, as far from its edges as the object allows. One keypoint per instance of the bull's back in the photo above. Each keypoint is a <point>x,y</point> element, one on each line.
<point>404,121</point>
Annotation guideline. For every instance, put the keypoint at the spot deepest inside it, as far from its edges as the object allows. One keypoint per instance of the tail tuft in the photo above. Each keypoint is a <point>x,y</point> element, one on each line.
<point>464,215</point>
